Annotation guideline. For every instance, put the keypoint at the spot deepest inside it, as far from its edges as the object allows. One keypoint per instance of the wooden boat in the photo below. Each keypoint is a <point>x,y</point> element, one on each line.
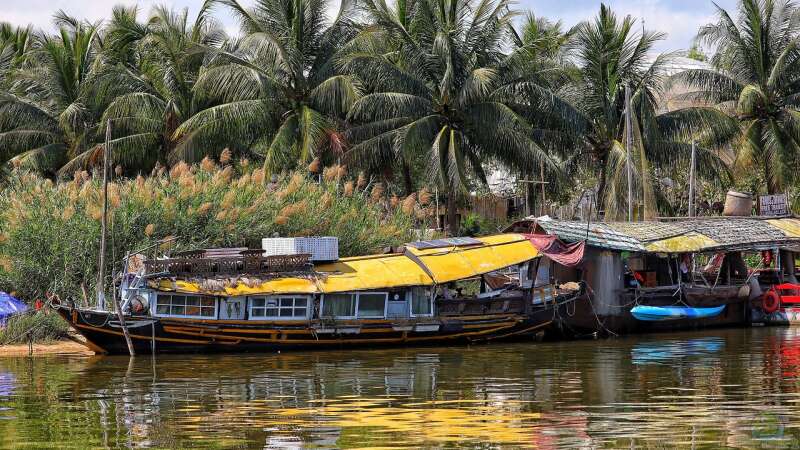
<point>244,301</point>
<point>661,313</point>
<point>707,296</point>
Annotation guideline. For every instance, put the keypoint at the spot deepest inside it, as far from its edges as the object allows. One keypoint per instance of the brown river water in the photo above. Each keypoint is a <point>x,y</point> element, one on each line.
<point>735,388</point>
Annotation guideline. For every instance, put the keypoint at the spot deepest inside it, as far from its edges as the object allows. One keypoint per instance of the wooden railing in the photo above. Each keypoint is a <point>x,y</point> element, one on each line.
<point>229,265</point>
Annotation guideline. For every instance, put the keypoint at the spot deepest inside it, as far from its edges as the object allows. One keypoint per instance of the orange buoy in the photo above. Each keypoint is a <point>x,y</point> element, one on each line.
<point>770,301</point>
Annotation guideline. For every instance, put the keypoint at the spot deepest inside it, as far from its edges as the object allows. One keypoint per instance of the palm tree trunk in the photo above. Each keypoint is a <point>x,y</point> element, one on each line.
<point>452,214</point>
<point>408,183</point>
<point>601,187</point>
<point>771,188</point>
<point>530,198</point>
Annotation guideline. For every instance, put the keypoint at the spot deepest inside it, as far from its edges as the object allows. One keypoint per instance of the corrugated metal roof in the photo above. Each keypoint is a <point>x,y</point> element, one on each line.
<point>677,236</point>
<point>596,234</point>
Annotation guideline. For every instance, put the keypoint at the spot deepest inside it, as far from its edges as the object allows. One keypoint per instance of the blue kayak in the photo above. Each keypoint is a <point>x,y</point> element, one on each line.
<point>658,313</point>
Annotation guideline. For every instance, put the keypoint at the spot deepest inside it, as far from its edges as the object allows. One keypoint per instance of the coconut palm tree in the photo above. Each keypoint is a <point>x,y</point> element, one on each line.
<point>543,36</point>
<point>47,115</point>
<point>276,91</point>
<point>609,56</point>
<point>15,43</point>
<point>756,81</point>
<point>443,88</point>
<point>545,46</point>
<point>153,66</point>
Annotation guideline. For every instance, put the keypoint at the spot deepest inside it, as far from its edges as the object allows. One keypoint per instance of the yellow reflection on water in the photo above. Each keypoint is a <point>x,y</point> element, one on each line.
<point>380,422</point>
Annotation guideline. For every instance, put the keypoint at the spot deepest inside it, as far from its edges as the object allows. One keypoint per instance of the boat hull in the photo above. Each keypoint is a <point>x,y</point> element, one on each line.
<point>785,316</point>
<point>103,333</point>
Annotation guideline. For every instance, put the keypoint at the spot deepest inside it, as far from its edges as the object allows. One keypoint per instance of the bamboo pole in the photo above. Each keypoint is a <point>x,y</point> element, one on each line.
<point>101,273</point>
<point>544,198</point>
<point>104,230</point>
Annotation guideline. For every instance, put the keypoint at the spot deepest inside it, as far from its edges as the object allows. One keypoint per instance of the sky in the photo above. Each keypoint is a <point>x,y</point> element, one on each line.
<point>679,18</point>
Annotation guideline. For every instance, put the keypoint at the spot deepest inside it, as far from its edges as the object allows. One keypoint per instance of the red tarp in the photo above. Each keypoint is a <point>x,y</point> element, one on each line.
<point>569,255</point>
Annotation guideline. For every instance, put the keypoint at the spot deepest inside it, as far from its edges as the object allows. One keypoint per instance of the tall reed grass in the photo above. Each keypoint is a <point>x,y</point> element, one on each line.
<point>50,231</point>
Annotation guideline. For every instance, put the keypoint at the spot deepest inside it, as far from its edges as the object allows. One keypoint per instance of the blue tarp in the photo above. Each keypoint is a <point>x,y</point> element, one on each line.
<point>10,306</point>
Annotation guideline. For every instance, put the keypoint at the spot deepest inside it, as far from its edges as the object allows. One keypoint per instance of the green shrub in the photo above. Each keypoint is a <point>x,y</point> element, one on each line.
<point>50,232</point>
<point>476,225</point>
<point>38,327</point>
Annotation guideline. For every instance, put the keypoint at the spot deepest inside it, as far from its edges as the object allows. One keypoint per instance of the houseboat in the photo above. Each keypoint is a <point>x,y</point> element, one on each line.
<point>677,274</point>
<point>237,300</point>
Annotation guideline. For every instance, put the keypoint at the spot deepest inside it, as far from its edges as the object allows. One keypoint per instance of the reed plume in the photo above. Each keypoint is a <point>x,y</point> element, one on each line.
<point>409,203</point>
<point>315,165</point>
<point>208,164</point>
<point>425,197</point>
<point>226,156</point>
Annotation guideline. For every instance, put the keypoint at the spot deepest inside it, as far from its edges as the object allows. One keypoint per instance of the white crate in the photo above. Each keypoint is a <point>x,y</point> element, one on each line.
<point>321,248</point>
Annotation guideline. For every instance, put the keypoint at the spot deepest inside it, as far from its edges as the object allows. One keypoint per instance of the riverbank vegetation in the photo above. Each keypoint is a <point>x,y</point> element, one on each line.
<point>33,326</point>
<point>50,231</point>
<point>413,97</point>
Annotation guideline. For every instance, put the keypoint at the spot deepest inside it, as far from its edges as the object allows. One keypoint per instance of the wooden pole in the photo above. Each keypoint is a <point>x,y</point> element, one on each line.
<point>436,196</point>
<point>101,288</point>
<point>544,198</point>
<point>628,145</point>
<point>101,273</point>
<point>691,181</point>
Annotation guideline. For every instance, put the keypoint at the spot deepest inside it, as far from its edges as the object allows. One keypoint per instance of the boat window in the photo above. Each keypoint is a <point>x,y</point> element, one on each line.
<point>351,305</point>
<point>279,307</point>
<point>372,304</point>
<point>339,305</point>
<point>186,306</point>
<point>543,274</point>
<point>421,302</point>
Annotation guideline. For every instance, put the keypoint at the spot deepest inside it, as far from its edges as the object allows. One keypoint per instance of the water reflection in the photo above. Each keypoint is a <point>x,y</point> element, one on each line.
<point>676,351</point>
<point>7,384</point>
<point>735,388</point>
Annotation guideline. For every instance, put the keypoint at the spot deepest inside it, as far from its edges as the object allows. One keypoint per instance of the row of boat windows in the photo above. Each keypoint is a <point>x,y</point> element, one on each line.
<point>362,305</point>
<point>181,305</point>
<point>278,307</point>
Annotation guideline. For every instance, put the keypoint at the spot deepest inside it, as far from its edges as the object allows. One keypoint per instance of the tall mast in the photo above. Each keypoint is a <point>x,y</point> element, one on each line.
<point>101,287</point>
<point>101,290</point>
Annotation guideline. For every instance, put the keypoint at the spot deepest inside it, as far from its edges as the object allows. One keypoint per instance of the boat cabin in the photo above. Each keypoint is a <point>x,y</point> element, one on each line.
<point>427,278</point>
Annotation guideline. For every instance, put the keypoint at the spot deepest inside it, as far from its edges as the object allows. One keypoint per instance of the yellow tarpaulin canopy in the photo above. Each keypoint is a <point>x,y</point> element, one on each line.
<point>456,263</point>
<point>367,273</point>
<point>416,268</point>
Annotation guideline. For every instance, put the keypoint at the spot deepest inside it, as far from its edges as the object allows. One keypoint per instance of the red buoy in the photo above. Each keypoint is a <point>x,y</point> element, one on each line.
<point>770,301</point>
